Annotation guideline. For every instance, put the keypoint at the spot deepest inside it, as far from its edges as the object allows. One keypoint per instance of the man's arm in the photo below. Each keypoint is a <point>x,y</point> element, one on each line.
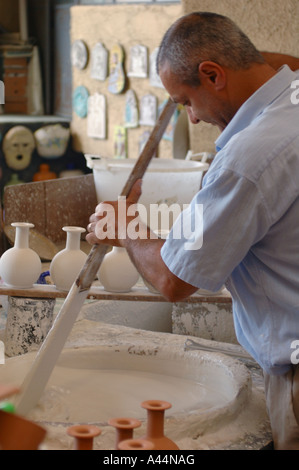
<point>145,251</point>
<point>146,255</point>
<point>277,60</point>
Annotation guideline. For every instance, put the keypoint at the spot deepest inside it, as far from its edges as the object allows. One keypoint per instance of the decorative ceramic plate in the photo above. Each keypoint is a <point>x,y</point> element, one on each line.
<point>80,99</point>
<point>79,54</point>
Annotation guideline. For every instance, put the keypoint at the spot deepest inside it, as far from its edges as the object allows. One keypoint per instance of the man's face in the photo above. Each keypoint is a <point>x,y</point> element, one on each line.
<point>202,103</point>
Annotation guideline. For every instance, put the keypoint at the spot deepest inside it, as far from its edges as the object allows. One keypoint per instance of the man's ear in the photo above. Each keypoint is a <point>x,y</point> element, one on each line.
<point>212,74</point>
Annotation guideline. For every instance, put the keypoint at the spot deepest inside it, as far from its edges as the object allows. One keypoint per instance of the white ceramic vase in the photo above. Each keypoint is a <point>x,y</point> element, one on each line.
<point>67,263</point>
<point>20,266</point>
<point>117,273</point>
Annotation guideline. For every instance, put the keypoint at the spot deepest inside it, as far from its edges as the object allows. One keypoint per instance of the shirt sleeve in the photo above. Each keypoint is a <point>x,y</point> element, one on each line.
<point>224,220</point>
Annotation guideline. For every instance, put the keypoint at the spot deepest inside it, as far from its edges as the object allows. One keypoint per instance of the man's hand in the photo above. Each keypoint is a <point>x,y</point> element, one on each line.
<point>106,226</point>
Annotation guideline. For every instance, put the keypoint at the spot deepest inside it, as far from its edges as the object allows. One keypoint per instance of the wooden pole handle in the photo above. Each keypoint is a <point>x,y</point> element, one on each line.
<point>97,252</point>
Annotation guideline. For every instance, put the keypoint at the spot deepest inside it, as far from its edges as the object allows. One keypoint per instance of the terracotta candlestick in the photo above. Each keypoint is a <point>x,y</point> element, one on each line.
<point>136,444</point>
<point>83,435</point>
<point>155,424</point>
<point>18,433</point>
<point>124,428</point>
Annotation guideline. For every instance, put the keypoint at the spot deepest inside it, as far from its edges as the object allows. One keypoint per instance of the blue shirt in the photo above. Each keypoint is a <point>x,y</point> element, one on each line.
<point>250,225</point>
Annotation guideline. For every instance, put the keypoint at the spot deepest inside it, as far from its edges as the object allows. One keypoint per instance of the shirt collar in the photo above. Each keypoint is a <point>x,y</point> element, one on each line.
<point>256,104</point>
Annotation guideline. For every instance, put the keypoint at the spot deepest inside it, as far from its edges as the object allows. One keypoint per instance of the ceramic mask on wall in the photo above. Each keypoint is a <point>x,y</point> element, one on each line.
<point>18,145</point>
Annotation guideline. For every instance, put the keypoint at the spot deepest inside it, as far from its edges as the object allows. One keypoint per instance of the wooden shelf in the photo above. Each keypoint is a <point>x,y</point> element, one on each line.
<point>28,119</point>
<point>98,293</point>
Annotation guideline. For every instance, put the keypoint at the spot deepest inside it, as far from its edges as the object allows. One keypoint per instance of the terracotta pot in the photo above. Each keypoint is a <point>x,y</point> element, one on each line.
<point>18,433</point>
<point>155,424</point>
<point>83,435</point>
<point>44,173</point>
<point>124,428</point>
<point>136,444</point>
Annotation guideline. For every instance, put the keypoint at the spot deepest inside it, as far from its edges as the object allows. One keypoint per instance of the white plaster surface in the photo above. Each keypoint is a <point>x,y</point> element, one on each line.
<point>207,320</point>
<point>152,316</point>
<point>237,420</point>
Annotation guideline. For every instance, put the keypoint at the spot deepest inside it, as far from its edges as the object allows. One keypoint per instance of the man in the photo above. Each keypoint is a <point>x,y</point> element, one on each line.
<point>249,196</point>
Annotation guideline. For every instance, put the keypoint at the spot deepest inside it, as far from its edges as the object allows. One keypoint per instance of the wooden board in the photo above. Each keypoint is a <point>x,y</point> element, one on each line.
<point>140,294</point>
<point>51,205</point>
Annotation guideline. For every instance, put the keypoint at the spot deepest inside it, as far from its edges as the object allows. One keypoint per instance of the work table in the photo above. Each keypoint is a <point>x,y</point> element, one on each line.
<point>97,292</point>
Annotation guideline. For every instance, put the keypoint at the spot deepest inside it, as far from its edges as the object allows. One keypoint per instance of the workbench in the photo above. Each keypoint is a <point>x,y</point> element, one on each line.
<point>52,204</point>
<point>30,312</point>
<point>97,292</point>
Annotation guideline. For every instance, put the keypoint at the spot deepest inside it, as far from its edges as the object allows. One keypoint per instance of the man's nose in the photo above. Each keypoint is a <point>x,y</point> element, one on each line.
<point>191,115</point>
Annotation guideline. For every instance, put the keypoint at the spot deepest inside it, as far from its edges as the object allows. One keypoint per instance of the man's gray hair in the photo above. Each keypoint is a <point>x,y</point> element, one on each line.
<point>202,36</point>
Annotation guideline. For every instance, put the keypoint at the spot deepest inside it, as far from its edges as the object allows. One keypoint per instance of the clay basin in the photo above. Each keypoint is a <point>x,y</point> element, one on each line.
<point>95,383</point>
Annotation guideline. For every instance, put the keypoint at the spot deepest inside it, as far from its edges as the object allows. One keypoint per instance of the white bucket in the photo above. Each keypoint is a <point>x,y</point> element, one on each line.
<point>166,181</point>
